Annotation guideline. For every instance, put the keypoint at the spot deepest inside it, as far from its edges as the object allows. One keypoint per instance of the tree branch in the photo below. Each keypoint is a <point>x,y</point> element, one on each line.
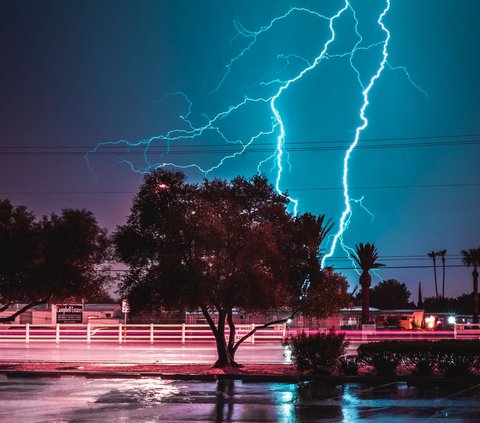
<point>3,308</point>
<point>265,325</point>
<point>231,326</point>
<point>23,309</point>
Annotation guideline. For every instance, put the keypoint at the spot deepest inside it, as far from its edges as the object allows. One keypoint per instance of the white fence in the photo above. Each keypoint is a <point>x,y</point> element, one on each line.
<point>184,333</point>
<point>466,331</point>
<point>131,333</point>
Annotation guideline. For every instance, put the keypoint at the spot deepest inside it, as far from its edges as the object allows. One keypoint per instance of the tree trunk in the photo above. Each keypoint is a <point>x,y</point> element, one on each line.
<point>365,282</point>
<point>224,359</point>
<point>435,276</point>
<point>231,339</point>
<point>475,294</point>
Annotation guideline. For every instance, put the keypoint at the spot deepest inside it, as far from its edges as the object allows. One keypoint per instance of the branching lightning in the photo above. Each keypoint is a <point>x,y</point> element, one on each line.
<point>347,213</point>
<point>276,128</point>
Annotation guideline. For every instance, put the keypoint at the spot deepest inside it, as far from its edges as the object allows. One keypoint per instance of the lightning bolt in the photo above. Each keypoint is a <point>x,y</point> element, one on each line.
<point>347,213</point>
<point>275,128</point>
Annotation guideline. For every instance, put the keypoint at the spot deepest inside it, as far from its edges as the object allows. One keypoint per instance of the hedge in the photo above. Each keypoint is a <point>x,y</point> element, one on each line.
<point>450,357</point>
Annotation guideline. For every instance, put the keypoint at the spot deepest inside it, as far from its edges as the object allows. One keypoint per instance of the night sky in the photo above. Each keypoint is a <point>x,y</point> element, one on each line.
<point>74,74</point>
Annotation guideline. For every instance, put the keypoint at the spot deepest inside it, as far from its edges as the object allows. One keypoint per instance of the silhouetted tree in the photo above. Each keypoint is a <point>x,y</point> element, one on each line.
<point>471,258</point>
<point>366,257</point>
<point>441,305</point>
<point>442,254</point>
<point>420,298</point>
<point>390,294</point>
<point>221,246</point>
<point>55,259</point>
<point>433,255</point>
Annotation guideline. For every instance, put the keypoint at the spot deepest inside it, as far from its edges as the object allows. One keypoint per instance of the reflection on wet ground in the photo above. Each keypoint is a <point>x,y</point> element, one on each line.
<point>77,399</point>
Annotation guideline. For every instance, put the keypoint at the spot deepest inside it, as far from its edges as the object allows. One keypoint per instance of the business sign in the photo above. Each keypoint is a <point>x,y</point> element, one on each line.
<point>70,313</point>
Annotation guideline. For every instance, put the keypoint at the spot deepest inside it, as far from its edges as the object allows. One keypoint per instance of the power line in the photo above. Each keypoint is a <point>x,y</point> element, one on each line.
<point>251,150</point>
<point>179,149</point>
<point>428,137</point>
<point>108,192</point>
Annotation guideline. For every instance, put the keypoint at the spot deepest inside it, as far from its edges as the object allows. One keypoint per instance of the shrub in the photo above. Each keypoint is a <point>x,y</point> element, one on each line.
<point>420,357</point>
<point>319,353</point>
<point>458,357</point>
<point>349,365</point>
<point>383,356</point>
<point>453,357</point>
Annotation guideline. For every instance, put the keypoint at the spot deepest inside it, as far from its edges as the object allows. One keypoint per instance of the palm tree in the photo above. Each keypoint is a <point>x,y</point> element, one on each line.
<point>432,255</point>
<point>471,258</point>
<point>441,254</point>
<point>366,257</point>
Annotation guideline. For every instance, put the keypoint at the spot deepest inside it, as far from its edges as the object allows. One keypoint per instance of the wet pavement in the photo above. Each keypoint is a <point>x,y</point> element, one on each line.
<point>80,399</point>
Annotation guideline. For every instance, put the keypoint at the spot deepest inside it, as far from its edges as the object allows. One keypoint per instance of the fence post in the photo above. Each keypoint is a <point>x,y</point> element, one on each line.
<point>284,331</point>
<point>183,333</point>
<point>88,333</point>
<point>253,335</point>
<point>27,333</point>
<point>455,331</point>
<point>119,333</point>
<point>57,333</point>
<point>151,333</point>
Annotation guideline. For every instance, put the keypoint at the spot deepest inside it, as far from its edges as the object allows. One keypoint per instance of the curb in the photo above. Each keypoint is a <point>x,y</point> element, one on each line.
<point>250,378</point>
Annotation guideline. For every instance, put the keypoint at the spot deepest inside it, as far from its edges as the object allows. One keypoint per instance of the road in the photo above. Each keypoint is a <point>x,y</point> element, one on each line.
<point>261,353</point>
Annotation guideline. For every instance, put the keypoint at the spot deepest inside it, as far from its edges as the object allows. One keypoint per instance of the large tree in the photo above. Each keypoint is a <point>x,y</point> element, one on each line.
<point>389,294</point>
<point>223,246</point>
<point>471,258</point>
<point>54,259</point>
<point>366,256</point>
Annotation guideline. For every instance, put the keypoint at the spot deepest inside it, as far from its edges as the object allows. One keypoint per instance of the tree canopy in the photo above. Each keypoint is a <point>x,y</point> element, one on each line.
<point>52,259</point>
<point>389,294</point>
<point>220,246</point>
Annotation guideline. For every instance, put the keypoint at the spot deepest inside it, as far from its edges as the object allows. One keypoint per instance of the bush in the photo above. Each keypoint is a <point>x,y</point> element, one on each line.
<point>420,357</point>
<point>319,353</point>
<point>458,357</point>
<point>349,365</point>
<point>453,357</point>
<point>383,356</point>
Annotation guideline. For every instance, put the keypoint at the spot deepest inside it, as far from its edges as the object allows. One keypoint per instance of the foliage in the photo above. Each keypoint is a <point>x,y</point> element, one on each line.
<point>458,357</point>
<point>383,356</point>
<point>441,305</point>
<point>420,357</point>
<point>453,357</point>
<point>393,322</point>
<point>462,304</point>
<point>349,365</point>
<point>318,353</point>
<point>389,294</point>
<point>223,245</point>
<point>53,259</point>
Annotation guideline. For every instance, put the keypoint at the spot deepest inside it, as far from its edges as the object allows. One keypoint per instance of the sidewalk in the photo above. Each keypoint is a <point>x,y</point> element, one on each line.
<point>279,372</point>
